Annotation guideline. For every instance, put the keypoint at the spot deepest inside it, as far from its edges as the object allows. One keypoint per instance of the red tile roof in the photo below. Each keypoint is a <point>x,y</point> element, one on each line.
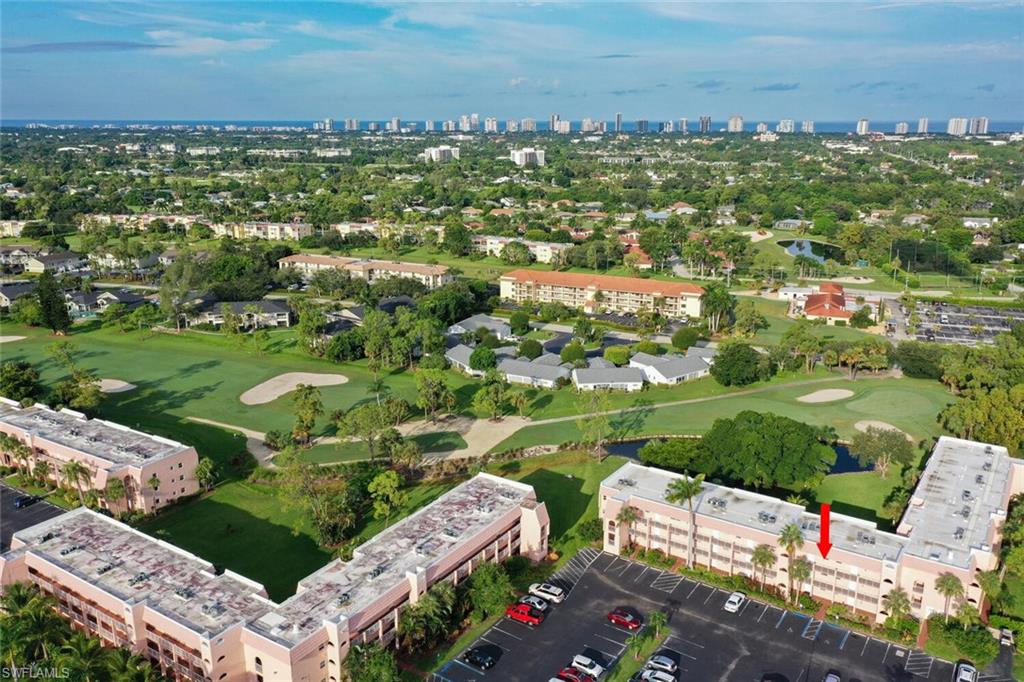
<point>604,282</point>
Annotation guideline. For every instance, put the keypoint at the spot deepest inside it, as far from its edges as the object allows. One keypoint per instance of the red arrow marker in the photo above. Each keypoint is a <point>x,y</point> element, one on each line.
<point>823,544</point>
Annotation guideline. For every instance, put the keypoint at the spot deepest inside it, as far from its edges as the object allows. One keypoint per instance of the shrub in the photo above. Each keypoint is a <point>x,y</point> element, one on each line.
<point>483,359</point>
<point>685,337</point>
<point>647,346</point>
<point>530,349</point>
<point>573,353</point>
<point>618,355</point>
<point>975,644</point>
<point>520,322</point>
<point>433,361</point>
<point>590,530</point>
<point>840,323</point>
<point>736,364</point>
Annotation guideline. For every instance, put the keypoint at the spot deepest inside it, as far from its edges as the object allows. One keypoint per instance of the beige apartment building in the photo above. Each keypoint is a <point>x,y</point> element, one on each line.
<point>602,293</point>
<point>542,252</point>
<point>106,450</point>
<point>308,264</point>
<point>272,231</point>
<point>953,524</point>
<point>173,607</point>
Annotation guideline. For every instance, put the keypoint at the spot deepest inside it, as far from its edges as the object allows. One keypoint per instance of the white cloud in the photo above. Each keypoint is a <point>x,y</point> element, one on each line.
<point>179,44</point>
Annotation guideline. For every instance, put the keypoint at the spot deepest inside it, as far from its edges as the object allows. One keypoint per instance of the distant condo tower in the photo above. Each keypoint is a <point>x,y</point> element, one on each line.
<point>902,128</point>
<point>922,126</point>
<point>863,126</point>
<point>735,124</point>
<point>705,125</point>
<point>618,122</point>
<point>807,127</point>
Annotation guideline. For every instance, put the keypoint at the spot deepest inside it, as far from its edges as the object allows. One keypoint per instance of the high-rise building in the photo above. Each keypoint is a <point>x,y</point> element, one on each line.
<point>863,126</point>
<point>449,126</point>
<point>528,156</point>
<point>474,121</point>
<point>553,120</point>
<point>440,154</point>
<point>668,127</point>
<point>735,124</point>
<point>352,125</point>
<point>587,125</point>
<point>979,126</point>
<point>490,124</point>
<point>563,127</point>
<point>643,125</point>
<point>684,126</point>
<point>428,126</point>
<point>705,125</point>
<point>396,124</point>
<point>761,128</point>
<point>957,126</point>
<point>618,122</point>
<point>922,126</point>
<point>325,126</point>
<point>902,128</point>
<point>528,125</point>
<point>373,126</point>
<point>465,125</point>
<point>511,126</point>
<point>786,125</point>
<point>807,127</point>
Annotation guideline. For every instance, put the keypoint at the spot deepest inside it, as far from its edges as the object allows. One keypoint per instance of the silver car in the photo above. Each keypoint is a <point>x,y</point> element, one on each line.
<point>535,602</point>
<point>665,663</point>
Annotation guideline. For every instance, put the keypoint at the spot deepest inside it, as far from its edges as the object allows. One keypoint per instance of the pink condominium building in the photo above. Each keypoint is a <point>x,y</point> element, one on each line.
<point>953,524</point>
<point>106,450</point>
<point>139,592</point>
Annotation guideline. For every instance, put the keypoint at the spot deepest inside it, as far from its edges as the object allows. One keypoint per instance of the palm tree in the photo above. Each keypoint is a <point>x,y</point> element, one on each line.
<point>801,573</point>
<point>114,491</point>
<point>657,620</point>
<point>681,489</point>
<point>626,518</point>
<point>897,603</point>
<point>716,303</point>
<point>74,474</point>
<point>792,539</point>
<point>37,628</point>
<point>154,482</point>
<point>86,656</point>
<point>763,558</point>
<point>991,587</point>
<point>853,357</point>
<point>950,587</point>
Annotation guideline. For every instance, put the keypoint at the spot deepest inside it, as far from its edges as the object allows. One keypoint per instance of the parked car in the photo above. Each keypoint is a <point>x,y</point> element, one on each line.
<point>650,675</point>
<point>548,591</point>
<point>24,501</point>
<point>624,619</point>
<point>965,672</point>
<point>832,677</point>
<point>588,665</point>
<point>524,613</point>
<point>735,602</point>
<point>570,674</point>
<point>479,658</point>
<point>1006,637</point>
<point>535,602</point>
<point>665,663</point>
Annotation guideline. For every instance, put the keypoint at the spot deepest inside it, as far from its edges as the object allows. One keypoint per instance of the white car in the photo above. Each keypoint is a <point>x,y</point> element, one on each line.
<point>657,676</point>
<point>535,602</point>
<point>587,665</point>
<point>665,663</point>
<point>832,677</point>
<point>965,672</point>
<point>735,602</point>
<point>548,591</point>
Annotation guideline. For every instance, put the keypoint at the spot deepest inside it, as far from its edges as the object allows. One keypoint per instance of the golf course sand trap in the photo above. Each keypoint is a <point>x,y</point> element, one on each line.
<point>757,236</point>
<point>826,395</point>
<point>272,389</point>
<point>115,386</point>
<point>852,280</point>
<point>10,339</point>
<point>868,423</point>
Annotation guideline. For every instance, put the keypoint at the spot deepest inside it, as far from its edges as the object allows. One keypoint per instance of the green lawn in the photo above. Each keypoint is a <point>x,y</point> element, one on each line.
<point>349,451</point>
<point>778,323</point>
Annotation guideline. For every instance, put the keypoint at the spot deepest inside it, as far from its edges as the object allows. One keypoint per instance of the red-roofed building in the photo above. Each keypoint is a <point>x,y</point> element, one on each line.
<point>831,304</point>
<point>641,260</point>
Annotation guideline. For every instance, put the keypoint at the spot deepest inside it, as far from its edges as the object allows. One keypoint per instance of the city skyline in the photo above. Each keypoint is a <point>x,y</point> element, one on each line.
<point>301,61</point>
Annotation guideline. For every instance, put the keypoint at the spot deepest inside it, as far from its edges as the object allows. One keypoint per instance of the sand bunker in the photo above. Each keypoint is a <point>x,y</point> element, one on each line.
<point>115,386</point>
<point>10,339</point>
<point>867,423</point>
<point>757,236</point>
<point>826,395</point>
<point>852,280</point>
<point>272,389</point>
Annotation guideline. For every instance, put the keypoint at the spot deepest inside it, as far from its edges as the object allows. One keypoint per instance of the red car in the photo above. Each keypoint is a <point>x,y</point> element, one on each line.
<point>525,613</point>
<point>570,674</point>
<point>624,619</point>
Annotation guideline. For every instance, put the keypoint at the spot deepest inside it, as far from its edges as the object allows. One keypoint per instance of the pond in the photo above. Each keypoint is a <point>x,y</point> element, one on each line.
<point>819,251</point>
<point>845,462</point>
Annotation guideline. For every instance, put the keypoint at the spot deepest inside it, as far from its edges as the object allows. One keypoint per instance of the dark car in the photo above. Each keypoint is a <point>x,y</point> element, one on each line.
<point>24,501</point>
<point>478,658</point>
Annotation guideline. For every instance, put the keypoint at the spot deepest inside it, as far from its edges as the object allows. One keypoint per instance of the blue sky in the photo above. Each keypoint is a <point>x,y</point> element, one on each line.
<point>297,60</point>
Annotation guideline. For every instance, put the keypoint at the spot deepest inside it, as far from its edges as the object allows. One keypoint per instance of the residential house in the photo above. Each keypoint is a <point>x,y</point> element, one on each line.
<point>668,370</point>
<point>12,291</point>
<point>253,314</point>
<point>533,373</point>
<point>58,263</point>
<point>610,379</point>
<point>496,326</point>
<point>307,264</point>
<point>389,305</point>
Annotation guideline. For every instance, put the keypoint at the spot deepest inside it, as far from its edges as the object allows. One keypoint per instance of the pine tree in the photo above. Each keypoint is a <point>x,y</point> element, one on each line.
<point>51,304</point>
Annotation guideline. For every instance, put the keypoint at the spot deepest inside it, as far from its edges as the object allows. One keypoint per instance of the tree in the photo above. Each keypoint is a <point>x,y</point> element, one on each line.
<point>206,473</point>
<point>617,355</point>
<point>153,483</point>
<point>178,287</point>
<point>324,500</point>
<point>861,318</point>
<point>85,655</point>
<point>457,239</point>
<point>490,397</point>
<point>114,491</point>
<point>736,364</point>
<point>791,538</point>
<point>920,360</point>
<point>749,319</point>
<point>717,305</point>
<point>991,585</point>
<point>308,407</point>
<point>897,603</point>
<point>520,400</point>
<point>309,331</point>
<point>593,422</point>
<point>684,337</point>
<point>516,253</point>
<point>19,381</point>
<point>371,663</point>
<point>530,349</point>
<point>386,492</point>
<point>519,321</point>
<point>75,474</point>
<point>657,620</point>
<point>684,490</point>
<point>574,353</point>
<point>993,416</point>
<point>432,391</point>
<point>800,574</point>
<point>950,587</point>
<point>583,329</point>
<point>625,519</point>
<point>763,558</point>
<point>482,359</point>
<point>881,448</point>
<point>366,422</point>
<point>52,308</point>
<point>27,311</point>
<point>490,589</point>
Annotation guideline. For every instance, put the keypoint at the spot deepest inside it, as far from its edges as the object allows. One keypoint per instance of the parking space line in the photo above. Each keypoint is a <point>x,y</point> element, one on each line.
<point>781,618</point>
<point>484,639</point>
<point>506,633</point>
<point>746,604</point>
<point>695,586</point>
<point>468,667</point>
<point>609,639</point>
<point>614,561</point>
<point>601,651</point>
<point>714,591</point>
<point>866,641</point>
<point>845,637</point>
<point>766,607</point>
<point>681,639</point>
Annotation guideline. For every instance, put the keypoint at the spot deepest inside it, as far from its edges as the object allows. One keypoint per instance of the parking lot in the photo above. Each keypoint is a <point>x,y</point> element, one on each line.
<point>706,642</point>
<point>12,520</point>
<point>969,325</point>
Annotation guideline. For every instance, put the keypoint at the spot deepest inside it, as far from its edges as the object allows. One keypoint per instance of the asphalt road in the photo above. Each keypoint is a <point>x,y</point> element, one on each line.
<point>13,520</point>
<point>706,642</point>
